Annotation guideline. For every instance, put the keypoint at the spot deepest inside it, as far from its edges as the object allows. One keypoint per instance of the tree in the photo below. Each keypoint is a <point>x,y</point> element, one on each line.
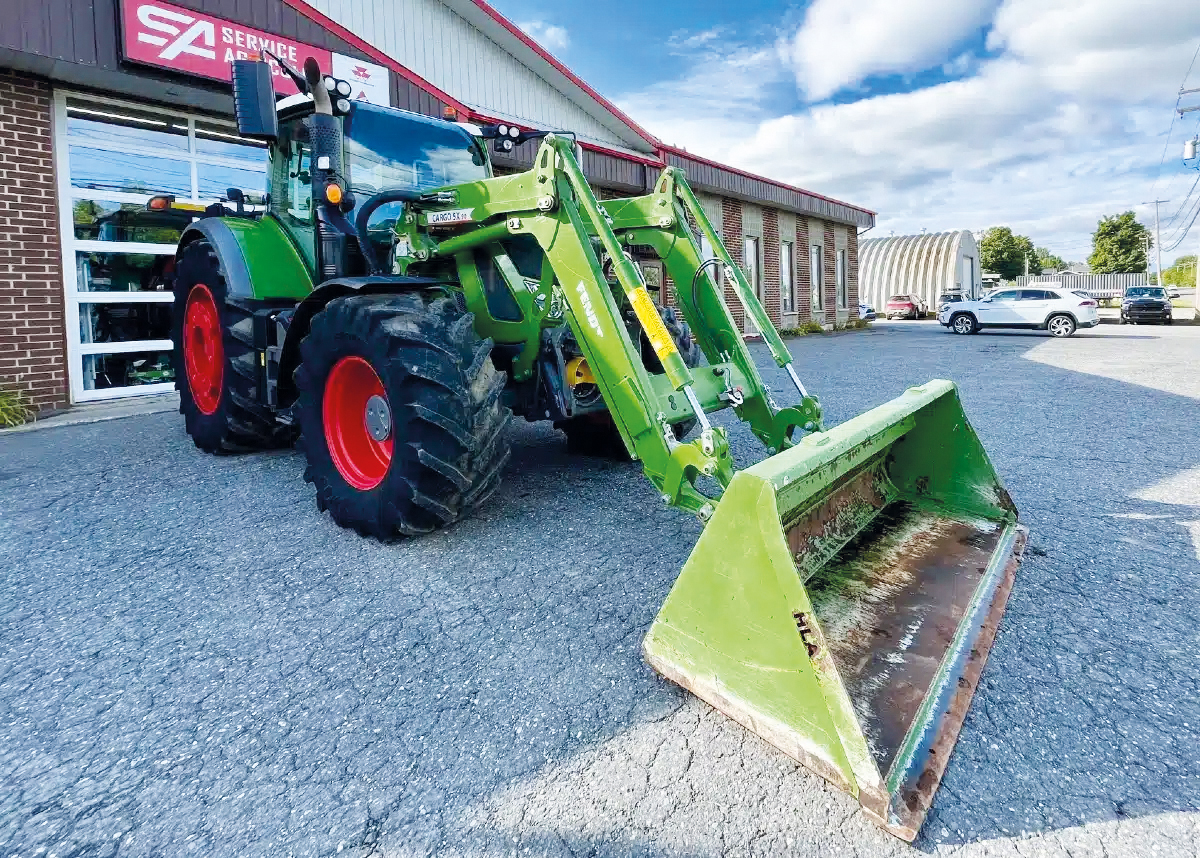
<point>1182,272</point>
<point>1046,259</point>
<point>1005,253</point>
<point>1119,245</point>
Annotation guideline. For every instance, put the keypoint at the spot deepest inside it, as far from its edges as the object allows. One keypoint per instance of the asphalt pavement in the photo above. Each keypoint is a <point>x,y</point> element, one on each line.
<point>194,661</point>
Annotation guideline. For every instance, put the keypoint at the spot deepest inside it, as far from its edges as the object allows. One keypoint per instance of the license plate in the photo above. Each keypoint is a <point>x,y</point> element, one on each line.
<point>449,217</point>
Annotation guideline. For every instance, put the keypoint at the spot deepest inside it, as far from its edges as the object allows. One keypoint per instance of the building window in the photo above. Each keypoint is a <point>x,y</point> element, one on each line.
<point>787,300</point>
<point>817,267</point>
<point>113,156</point>
<point>750,247</point>
<point>843,293</point>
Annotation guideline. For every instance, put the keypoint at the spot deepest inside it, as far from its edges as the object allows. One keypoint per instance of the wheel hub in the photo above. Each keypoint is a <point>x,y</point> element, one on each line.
<point>378,418</point>
<point>358,423</point>
<point>203,352</point>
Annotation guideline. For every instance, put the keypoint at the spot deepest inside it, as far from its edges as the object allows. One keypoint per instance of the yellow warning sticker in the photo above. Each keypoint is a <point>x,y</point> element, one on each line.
<point>652,323</point>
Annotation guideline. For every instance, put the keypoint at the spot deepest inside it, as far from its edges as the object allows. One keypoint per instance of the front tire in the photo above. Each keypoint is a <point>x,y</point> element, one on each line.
<point>216,365</point>
<point>964,323</point>
<point>400,413</point>
<point>1061,326</point>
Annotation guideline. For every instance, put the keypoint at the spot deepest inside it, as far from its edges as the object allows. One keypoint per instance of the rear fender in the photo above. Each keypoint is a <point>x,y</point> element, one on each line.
<point>257,258</point>
<point>315,302</point>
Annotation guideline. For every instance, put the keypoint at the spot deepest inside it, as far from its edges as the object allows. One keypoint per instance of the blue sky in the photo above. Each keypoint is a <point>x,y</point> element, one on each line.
<point>939,114</point>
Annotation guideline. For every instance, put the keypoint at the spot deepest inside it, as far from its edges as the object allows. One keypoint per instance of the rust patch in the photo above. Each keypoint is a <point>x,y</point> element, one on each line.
<point>915,798</point>
<point>888,607</point>
<point>824,529</point>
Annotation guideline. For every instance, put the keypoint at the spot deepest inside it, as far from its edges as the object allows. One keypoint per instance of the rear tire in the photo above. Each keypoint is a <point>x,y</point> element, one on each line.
<point>400,413</point>
<point>216,365</point>
<point>596,434</point>
<point>1061,326</point>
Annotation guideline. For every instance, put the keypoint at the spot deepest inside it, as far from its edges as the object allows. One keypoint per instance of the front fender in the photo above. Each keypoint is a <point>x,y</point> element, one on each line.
<point>257,258</point>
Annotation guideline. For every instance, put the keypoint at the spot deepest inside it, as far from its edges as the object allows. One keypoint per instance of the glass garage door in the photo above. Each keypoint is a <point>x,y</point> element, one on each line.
<point>118,257</point>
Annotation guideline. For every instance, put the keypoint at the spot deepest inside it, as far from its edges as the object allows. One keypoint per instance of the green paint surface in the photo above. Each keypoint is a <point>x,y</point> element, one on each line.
<point>729,628</point>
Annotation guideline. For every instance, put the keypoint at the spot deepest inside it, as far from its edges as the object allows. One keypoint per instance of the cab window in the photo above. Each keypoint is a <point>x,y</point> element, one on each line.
<point>291,186</point>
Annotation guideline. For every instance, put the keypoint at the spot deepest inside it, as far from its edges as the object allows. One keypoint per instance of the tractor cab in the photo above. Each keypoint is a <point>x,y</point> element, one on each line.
<point>382,149</point>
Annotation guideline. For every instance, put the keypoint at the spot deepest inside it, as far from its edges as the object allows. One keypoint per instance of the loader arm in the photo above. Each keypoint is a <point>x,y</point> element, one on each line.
<point>554,204</point>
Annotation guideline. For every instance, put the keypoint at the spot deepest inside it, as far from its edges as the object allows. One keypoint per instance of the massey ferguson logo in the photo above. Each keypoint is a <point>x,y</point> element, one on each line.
<point>361,73</point>
<point>184,34</point>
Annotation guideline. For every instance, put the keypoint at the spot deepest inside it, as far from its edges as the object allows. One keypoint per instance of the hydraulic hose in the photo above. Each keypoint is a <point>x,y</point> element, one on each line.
<point>396,195</point>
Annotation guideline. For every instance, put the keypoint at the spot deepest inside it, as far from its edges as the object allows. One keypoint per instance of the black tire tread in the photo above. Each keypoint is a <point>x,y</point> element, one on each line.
<point>449,442</point>
<point>241,423</point>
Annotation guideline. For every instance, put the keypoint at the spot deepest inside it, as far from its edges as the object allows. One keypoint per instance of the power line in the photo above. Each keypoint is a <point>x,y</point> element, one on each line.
<point>1180,232</point>
<point>1183,205</point>
<point>1185,232</point>
<point>1174,113</point>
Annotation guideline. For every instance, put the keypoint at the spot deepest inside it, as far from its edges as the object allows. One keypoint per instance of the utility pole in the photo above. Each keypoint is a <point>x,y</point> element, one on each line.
<point>1157,238</point>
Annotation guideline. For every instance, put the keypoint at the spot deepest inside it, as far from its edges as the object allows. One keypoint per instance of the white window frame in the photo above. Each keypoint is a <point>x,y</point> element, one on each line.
<point>816,264</point>
<point>843,290</point>
<point>68,196</point>
<point>752,247</point>
<point>787,265</point>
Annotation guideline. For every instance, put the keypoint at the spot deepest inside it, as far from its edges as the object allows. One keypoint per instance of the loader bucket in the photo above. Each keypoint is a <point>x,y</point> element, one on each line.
<point>842,600</point>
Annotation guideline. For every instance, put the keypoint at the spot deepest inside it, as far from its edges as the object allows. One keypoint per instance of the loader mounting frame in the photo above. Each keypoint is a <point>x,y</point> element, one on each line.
<point>553,204</point>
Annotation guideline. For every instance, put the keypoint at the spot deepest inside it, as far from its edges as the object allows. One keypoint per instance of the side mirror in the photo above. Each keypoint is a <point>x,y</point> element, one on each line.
<point>254,100</point>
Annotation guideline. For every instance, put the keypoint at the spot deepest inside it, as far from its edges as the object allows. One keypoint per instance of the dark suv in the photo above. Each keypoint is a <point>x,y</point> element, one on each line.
<point>1146,304</point>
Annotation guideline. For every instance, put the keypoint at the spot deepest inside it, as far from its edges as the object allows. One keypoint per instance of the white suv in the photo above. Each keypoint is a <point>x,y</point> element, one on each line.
<point>1045,307</point>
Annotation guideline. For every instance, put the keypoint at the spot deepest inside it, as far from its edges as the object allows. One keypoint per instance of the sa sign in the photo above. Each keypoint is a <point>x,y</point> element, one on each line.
<point>163,35</point>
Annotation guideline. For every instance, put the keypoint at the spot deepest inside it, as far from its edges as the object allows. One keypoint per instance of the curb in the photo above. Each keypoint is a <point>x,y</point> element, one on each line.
<point>100,412</point>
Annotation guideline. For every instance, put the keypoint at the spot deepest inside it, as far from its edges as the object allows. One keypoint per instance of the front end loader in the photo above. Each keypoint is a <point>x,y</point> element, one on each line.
<point>392,303</point>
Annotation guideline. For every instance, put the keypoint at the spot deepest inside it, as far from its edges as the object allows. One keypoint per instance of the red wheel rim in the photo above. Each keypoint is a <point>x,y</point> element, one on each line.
<point>203,353</point>
<point>361,460</point>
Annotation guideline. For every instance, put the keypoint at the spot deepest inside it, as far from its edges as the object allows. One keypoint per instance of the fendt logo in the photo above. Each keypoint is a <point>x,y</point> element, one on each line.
<point>185,30</point>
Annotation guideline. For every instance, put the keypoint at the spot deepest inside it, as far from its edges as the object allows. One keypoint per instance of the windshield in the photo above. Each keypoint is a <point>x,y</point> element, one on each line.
<point>1145,292</point>
<point>396,149</point>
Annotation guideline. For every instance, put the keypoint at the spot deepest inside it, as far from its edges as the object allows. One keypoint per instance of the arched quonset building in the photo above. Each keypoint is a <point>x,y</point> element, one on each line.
<point>927,265</point>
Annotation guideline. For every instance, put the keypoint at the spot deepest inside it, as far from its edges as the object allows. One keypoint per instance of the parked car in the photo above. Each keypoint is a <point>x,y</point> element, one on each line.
<point>906,307</point>
<point>950,298</point>
<point>1146,304</point>
<point>866,311</point>
<point>1059,311</point>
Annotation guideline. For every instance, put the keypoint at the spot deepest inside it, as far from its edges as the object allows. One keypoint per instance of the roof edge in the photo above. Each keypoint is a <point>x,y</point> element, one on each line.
<point>374,53</point>
<point>549,58</point>
<point>683,153</point>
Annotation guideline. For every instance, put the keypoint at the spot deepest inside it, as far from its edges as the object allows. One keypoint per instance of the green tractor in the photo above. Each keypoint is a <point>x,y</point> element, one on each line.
<point>392,303</point>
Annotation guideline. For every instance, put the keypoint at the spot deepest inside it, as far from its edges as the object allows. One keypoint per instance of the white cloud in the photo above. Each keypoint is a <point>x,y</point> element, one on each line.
<point>841,43</point>
<point>1059,126</point>
<point>550,36</point>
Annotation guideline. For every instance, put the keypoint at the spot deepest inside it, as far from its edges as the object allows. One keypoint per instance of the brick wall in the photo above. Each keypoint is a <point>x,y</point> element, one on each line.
<point>770,240</point>
<point>830,275</point>
<point>731,234</point>
<point>852,269</point>
<point>32,332</point>
<point>803,272</point>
